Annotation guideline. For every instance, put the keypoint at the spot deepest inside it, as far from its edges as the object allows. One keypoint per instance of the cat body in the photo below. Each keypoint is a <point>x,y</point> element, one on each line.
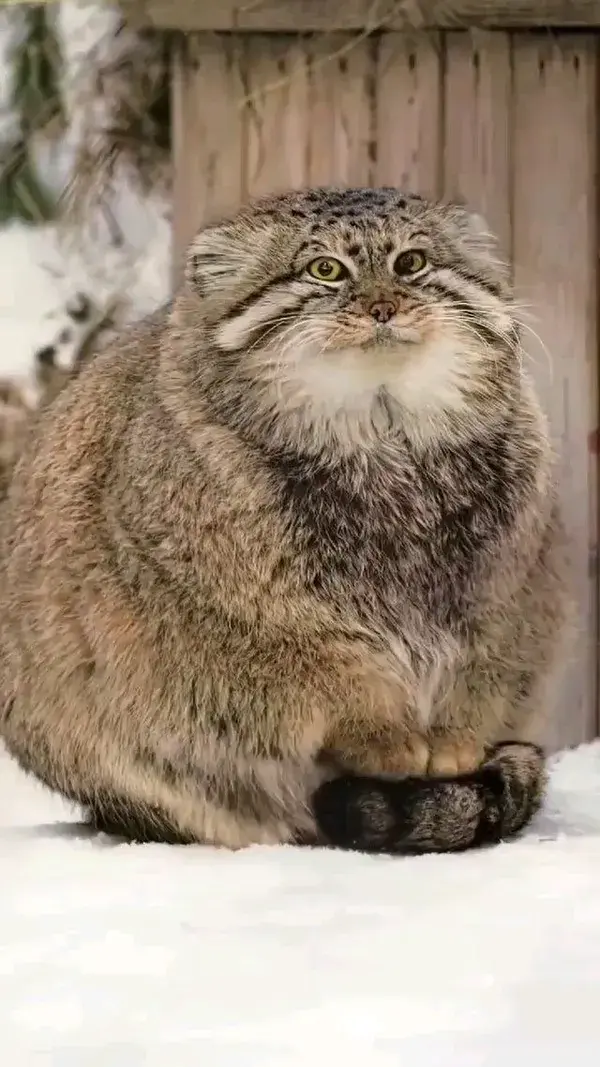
<point>15,417</point>
<point>290,538</point>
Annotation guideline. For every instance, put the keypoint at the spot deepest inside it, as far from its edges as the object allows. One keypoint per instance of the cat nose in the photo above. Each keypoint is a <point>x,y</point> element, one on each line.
<point>383,310</point>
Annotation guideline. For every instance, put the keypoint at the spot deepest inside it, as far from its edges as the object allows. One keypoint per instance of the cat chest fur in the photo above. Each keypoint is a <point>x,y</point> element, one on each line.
<point>396,533</point>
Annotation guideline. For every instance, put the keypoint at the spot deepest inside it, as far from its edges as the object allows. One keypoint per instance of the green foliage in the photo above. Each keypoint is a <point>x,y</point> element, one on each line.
<point>37,102</point>
<point>136,86</point>
<point>22,194</point>
<point>37,66</point>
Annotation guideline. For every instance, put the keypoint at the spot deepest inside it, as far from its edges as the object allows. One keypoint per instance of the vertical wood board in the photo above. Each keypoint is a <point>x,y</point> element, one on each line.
<point>555,254</point>
<point>276,115</point>
<point>341,110</point>
<point>477,136</point>
<point>208,139</point>
<point>408,88</point>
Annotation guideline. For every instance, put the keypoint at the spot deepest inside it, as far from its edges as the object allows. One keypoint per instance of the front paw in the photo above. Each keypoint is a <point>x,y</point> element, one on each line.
<point>401,754</point>
<point>412,756</point>
<point>408,756</point>
<point>450,756</point>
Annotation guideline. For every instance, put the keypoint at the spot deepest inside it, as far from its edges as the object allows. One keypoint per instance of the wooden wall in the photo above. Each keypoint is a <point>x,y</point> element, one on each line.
<point>507,122</point>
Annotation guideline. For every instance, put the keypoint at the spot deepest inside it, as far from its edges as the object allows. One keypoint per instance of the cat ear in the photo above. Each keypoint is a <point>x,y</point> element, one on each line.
<point>480,240</point>
<point>471,225</point>
<point>479,233</point>
<point>213,258</point>
<point>226,256</point>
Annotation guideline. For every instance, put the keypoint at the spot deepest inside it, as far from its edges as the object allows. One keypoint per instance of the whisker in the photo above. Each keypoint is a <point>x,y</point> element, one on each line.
<point>545,350</point>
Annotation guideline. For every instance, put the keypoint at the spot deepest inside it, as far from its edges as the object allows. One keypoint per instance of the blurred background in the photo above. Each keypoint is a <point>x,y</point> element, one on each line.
<point>125,126</point>
<point>85,171</point>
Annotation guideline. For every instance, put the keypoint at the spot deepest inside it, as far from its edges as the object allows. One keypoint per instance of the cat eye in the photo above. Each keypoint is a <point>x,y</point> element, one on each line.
<point>410,262</point>
<point>327,269</point>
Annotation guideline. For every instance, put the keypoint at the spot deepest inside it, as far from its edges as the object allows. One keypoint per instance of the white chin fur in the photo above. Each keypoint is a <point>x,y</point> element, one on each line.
<point>423,379</point>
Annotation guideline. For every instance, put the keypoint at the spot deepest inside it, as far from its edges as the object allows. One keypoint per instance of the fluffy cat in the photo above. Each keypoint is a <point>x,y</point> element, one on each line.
<point>284,563</point>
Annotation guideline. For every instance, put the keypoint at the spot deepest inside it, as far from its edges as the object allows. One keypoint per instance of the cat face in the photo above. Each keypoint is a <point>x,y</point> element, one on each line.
<point>344,293</point>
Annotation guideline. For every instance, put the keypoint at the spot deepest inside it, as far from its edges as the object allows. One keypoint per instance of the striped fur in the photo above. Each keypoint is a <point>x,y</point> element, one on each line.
<point>276,568</point>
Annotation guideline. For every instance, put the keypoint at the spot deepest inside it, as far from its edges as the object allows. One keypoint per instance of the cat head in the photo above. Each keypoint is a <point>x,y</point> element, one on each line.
<point>337,297</point>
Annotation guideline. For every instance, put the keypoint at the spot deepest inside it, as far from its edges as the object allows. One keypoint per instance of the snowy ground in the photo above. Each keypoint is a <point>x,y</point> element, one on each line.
<point>122,956</point>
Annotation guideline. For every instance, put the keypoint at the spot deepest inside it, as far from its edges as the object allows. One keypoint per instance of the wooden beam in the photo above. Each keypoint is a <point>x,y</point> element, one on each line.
<point>320,15</point>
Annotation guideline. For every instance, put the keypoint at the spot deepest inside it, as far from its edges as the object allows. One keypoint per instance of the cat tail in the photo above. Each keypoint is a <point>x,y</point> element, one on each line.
<point>416,814</point>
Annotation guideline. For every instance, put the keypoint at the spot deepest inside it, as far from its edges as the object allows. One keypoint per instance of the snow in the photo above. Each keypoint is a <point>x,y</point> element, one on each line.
<point>42,266</point>
<point>145,955</point>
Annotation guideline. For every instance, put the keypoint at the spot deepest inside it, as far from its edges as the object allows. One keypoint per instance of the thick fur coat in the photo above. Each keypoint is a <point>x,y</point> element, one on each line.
<point>291,539</point>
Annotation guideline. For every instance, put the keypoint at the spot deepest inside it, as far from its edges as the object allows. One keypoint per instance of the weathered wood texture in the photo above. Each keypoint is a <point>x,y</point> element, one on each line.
<point>310,15</point>
<point>407,102</point>
<point>477,113</point>
<point>555,256</point>
<point>506,122</point>
<point>208,131</point>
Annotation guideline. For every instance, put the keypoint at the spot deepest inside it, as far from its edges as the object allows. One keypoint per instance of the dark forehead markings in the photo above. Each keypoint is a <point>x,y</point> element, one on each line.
<point>371,207</point>
<point>344,211</point>
<point>386,194</point>
<point>341,197</point>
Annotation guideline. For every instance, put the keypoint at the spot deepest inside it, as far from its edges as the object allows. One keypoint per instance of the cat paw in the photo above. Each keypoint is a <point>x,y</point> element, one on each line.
<point>404,754</point>
<point>449,757</point>
<point>413,756</point>
<point>408,756</point>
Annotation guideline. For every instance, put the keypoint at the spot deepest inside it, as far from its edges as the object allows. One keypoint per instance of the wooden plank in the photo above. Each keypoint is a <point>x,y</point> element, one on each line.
<point>555,203</point>
<point>478,95</point>
<point>315,15</point>
<point>409,109</point>
<point>276,114</point>
<point>207,132</point>
<point>341,105</point>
